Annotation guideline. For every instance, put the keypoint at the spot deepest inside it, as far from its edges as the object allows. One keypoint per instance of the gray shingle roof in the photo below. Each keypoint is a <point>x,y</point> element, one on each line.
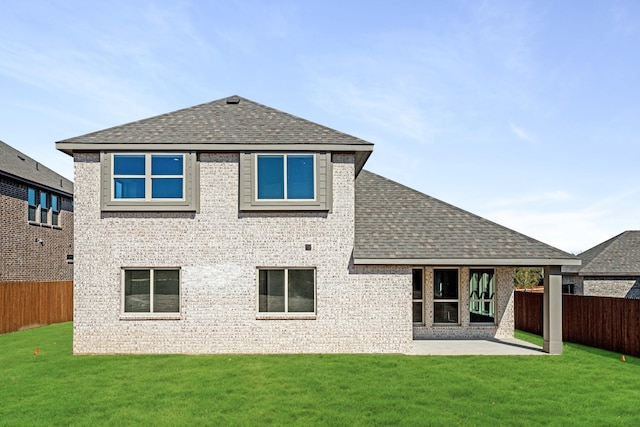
<point>231,123</point>
<point>397,222</point>
<point>220,122</point>
<point>18,165</point>
<point>618,256</point>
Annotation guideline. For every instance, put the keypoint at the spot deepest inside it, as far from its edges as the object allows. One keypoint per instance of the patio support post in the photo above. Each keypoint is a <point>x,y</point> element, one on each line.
<point>552,311</point>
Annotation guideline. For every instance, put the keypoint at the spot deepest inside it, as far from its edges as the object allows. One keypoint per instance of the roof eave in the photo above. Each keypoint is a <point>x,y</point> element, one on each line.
<point>58,190</point>
<point>608,274</point>
<point>513,262</point>
<point>363,150</point>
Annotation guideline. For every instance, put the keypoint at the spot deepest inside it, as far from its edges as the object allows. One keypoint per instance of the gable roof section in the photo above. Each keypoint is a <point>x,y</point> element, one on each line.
<point>228,124</point>
<point>618,256</point>
<point>18,165</point>
<point>398,225</point>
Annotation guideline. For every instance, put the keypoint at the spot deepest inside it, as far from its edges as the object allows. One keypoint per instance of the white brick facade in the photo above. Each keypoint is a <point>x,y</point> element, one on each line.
<point>218,249</point>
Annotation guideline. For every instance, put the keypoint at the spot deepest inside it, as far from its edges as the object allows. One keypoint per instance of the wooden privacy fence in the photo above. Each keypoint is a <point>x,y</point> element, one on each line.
<point>609,323</point>
<point>25,304</point>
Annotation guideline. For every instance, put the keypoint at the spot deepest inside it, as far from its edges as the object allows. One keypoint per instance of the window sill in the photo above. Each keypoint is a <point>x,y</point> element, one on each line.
<point>40,224</point>
<point>446,325</point>
<point>150,316</point>
<point>482,325</point>
<point>285,316</point>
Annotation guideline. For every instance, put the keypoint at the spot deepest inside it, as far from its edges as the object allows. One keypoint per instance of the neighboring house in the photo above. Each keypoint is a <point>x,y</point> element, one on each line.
<point>36,220</point>
<point>232,227</point>
<point>610,269</point>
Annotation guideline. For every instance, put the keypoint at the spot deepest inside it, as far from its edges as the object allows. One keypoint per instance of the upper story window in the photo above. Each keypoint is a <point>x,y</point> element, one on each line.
<point>285,181</point>
<point>55,209</point>
<point>39,204</point>
<point>156,181</point>
<point>285,177</point>
<point>148,176</point>
<point>44,208</point>
<point>32,210</point>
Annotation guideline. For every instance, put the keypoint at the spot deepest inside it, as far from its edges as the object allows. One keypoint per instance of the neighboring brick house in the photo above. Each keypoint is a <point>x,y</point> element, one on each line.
<point>610,269</point>
<point>232,227</point>
<point>36,220</point>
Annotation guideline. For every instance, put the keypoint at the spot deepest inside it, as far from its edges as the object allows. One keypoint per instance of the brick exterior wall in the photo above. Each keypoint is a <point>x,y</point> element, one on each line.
<point>359,309</point>
<point>466,330</point>
<point>24,259</point>
<point>604,286</point>
<point>619,287</point>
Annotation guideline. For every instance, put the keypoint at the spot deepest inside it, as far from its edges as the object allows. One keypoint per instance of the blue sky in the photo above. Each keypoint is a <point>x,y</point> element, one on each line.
<point>526,113</point>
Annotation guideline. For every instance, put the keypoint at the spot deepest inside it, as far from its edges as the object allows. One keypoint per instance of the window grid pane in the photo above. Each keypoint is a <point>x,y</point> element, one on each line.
<point>482,296</point>
<point>300,177</point>
<point>129,188</point>
<point>166,291</point>
<point>271,291</point>
<point>128,164</point>
<point>137,291</point>
<point>166,188</point>
<point>301,290</point>
<point>167,165</point>
<point>270,177</point>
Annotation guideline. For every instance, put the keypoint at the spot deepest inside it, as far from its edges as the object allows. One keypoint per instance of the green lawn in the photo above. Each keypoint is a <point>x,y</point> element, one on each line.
<point>584,386</point>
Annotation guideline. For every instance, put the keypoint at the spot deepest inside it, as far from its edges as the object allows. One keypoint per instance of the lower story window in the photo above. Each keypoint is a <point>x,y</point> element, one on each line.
<point>445,296</point>
<point>286,290</point>
<point>481,296</point>
<point>151,290</point>
<point>416,279</point>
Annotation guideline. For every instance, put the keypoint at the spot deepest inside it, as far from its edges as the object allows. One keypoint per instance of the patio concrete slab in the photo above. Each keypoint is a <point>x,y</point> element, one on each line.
<point>501,347</point>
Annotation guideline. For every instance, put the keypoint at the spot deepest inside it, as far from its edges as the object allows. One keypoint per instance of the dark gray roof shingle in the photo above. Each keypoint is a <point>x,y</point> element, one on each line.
<point>220,122</point>
<point>18,165</point>
<point>397,222</point>
<point>618,256</point>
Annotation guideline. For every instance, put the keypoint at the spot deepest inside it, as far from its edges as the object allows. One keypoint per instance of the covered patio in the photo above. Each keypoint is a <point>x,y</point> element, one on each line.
<point>462,267</point>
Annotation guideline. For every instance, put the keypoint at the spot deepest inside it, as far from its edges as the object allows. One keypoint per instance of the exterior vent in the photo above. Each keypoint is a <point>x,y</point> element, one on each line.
<point>233,100</point>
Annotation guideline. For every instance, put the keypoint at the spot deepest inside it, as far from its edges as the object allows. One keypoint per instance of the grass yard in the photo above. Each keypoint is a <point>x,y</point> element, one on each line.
<point>584,386</point>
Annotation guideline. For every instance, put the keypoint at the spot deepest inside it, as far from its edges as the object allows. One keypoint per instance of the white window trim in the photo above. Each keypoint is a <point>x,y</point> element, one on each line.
<point>494,300</point>
<point>148,178</point>
<point>459,323</point>
<point>286,315</point>
<point>285,172</point>
<point>125,315</point>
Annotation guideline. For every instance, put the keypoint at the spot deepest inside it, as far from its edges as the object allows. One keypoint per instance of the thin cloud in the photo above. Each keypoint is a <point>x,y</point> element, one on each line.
<point>521,133</point>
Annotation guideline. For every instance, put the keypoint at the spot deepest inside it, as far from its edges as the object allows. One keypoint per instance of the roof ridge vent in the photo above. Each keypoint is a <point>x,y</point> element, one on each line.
<point>233,100</point>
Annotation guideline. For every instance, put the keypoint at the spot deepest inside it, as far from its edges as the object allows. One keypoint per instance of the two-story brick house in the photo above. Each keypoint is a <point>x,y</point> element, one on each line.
<point>36,220</point>
<point>232,227</point>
